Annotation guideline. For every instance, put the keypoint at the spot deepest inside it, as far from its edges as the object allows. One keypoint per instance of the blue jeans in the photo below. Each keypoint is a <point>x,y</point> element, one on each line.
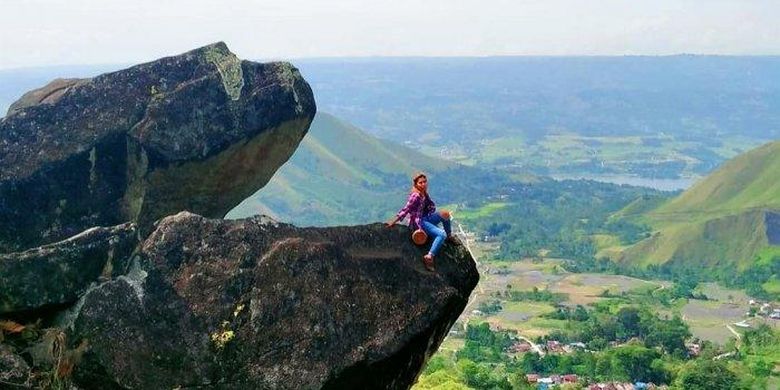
<point>430,226</point>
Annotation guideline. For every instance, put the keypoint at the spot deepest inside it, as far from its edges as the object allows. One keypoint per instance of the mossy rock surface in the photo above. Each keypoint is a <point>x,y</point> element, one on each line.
<point>121,146</point>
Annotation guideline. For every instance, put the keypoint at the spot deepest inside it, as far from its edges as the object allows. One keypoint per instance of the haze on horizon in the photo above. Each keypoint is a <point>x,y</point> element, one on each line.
<point>48,32</point>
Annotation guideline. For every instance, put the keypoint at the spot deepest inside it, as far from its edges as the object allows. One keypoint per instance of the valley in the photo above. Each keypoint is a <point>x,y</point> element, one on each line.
<point>543,249</point>
<point>577,232</point>
<point>527,302</point>
<point>413,195</point>
<point>658,117</point>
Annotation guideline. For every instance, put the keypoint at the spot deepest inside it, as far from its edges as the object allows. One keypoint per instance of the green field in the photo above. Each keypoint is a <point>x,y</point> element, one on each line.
<point>708,319</point>
<point>527,317</point>
<point>482,211</point>
<point>562,152</point>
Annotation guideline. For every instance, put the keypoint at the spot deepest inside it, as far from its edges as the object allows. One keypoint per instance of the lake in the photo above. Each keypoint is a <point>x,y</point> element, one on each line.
<point>658,184</point>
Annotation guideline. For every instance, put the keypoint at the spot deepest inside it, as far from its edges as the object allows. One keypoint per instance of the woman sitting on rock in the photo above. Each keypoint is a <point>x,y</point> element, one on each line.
<point>422,215</point>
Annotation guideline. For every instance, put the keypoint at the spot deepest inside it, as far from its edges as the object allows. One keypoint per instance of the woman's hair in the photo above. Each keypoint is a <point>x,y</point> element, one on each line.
<point>416,177</point>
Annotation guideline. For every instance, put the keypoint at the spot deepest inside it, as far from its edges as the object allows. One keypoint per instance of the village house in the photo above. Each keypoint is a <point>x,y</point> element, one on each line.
<point>625,386</point>
<point>552,380</point>
<point>520,347</point>
<point>553,346</point>
<point>570,378</point>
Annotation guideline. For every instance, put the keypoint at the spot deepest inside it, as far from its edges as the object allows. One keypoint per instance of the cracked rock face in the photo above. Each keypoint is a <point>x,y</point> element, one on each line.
<point>58,273</point>
<point>258,304</point>
<point>199,131</point>
<point>188,301</point>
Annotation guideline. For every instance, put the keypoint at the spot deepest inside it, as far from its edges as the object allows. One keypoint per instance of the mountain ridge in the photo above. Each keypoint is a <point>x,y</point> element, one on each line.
<point>727,219</point>
<point>311,188</point>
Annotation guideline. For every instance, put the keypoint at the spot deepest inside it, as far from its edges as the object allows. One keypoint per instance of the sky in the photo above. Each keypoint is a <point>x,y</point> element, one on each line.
<point>48,32</point>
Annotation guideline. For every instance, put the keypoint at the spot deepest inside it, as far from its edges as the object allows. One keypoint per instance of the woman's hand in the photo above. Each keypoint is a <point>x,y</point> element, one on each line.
<point>391,222</point>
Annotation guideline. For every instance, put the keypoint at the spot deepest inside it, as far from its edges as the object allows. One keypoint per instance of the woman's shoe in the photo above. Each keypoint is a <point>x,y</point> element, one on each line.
<point>428,261</point>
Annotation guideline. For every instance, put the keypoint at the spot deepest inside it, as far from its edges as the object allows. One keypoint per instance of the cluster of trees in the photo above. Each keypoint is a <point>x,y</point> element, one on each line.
<point>686,276</point>
<point>753,278</point>
<point>600,329</point>
<point>484,364</point>
<point>561,217</point>
<point>484,345</point>
<point>630,362</point>
<point>490,306</point>
<point>534,295</point>
<point>579,313</point>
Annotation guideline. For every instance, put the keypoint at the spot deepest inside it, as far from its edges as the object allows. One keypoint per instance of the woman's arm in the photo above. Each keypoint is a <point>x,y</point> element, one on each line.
<point>411,203</point>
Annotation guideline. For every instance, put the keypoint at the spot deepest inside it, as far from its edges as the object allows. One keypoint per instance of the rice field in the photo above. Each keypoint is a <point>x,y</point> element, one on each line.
<point>527,317</point>
<point>707,318</point>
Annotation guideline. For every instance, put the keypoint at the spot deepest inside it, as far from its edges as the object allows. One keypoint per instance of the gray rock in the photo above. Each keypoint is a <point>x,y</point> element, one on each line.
<point>258,304</point>
<point>199,131</point>
<point>58,273</point>
<point>14,371</point>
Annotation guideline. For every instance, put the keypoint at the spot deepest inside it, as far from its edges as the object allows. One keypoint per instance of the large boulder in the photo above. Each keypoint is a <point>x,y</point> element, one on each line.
<point>59,273</point>
<point>199,131</point>
<point>258,304</point>
<point>188,301</point>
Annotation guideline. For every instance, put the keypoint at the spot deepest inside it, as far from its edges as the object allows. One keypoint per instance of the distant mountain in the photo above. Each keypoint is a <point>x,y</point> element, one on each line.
<point>728,222</point>
<point>342,175</point>
<point>648,116</point>
<point>685,95</point>
<point>657,117</point>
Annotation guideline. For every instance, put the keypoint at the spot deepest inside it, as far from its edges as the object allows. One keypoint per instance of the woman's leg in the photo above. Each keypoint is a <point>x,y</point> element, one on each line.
<point>437,217</point>
<point>447,224</point>
<point>437,233</point>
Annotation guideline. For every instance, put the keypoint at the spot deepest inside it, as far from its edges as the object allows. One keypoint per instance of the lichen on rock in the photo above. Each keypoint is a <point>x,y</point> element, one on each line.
<point>229,67</point>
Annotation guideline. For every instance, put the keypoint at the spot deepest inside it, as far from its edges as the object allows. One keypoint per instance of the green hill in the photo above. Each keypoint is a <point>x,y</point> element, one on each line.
<point>748,181</point>
<point>341,175</point>
<point>728,223</point>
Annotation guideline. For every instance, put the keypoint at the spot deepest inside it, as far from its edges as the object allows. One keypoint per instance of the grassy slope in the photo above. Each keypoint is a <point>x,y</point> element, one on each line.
<point>340,175</point>
<point>748,181</point>
<point>720,220</point>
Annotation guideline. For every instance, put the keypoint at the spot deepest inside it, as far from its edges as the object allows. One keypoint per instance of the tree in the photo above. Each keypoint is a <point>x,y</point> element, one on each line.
<point>441,380</point>
<point>670,335</point>
<point>480,376</point>
<point>436,363</point>
<point>629,318</point>
<point>580,314</point>
<point>635,362</point>
<point>707,375</point>
<point>761,368</point>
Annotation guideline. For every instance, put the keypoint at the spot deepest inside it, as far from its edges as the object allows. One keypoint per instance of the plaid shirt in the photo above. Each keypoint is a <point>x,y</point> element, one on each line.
<point>416,207</point>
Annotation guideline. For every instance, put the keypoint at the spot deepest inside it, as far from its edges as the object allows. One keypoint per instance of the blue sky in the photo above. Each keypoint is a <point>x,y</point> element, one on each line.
<point>47,32</point>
